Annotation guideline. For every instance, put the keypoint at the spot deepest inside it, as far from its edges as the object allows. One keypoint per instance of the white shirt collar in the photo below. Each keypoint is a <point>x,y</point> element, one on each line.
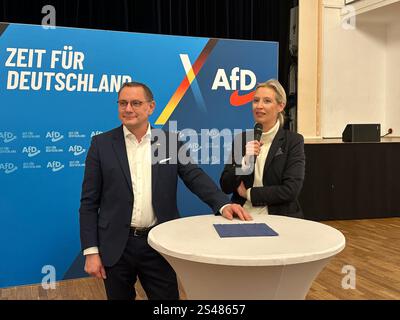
<point>128,134</point>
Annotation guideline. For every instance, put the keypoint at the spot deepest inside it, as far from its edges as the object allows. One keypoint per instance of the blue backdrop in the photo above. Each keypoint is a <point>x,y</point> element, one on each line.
<point>58,88</point>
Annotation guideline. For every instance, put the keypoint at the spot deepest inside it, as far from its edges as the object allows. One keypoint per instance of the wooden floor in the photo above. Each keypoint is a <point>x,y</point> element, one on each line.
<point>372,248</point>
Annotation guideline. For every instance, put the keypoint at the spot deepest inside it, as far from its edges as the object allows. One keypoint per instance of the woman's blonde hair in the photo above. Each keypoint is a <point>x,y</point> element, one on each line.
<point>280,95</point>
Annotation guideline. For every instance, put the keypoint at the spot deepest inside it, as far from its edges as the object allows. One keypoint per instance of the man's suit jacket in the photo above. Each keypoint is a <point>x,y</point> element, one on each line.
<point>282,178</point>
<point>107,197</point>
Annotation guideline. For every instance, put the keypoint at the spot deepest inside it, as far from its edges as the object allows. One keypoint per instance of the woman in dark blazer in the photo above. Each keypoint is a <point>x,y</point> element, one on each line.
<point>266,176</point>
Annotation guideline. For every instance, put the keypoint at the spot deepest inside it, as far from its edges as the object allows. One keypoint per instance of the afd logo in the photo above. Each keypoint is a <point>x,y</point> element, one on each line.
<point>194,147</point>
<point>76,150</point>
<point>7,136</point>
<point>54,136</point>
<point>55,166</point>
<point>31,151</point>
<point>239,79</point>
<point>95,133</point>
<point>8,167</point>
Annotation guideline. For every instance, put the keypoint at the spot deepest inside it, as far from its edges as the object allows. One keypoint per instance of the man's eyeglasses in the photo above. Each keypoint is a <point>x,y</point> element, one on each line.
<point>134,103</point>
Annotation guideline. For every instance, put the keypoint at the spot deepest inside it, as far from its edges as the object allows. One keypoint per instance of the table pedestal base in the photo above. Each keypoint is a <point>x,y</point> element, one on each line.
<point>221,282</point>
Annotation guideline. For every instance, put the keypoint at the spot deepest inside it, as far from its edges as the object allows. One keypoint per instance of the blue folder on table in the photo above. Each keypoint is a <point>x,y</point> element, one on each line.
<point>244,230</point>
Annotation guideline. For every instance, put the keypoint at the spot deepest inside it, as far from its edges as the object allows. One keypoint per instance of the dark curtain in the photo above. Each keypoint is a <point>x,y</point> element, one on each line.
<point>233,19</point>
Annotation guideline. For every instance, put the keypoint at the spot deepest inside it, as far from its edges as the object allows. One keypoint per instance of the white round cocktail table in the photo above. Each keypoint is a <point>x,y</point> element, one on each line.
<point>267,267</point>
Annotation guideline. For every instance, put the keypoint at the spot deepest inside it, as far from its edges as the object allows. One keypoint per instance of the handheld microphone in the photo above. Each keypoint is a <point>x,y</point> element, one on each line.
<point>258,130</point>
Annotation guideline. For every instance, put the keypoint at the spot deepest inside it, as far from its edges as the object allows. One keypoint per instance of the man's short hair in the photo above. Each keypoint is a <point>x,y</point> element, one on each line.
<point>147,91</point>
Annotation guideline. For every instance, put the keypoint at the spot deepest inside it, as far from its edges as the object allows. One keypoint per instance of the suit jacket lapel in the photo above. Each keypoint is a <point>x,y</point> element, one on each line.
<point>154,168</point>
<point>248,179</point>
<point>276,144</point>
<point>120,151</point>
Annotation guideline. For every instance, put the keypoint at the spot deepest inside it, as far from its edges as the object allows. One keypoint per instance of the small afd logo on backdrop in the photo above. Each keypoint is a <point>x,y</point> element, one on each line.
<point>54,136</point>
<point>8,167</point>
<point>55,166</point>
<point>30,151</point>
<point>7,136</point>
<point>76,150</point>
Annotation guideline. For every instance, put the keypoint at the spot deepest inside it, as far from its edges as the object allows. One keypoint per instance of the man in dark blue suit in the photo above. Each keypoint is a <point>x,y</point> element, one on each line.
<point>129,186</point>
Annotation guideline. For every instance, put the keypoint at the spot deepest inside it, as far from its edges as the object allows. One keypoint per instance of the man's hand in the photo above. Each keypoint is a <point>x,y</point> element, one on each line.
<point>234,209</point>
<point>94,266</point>
<point>242,190</point>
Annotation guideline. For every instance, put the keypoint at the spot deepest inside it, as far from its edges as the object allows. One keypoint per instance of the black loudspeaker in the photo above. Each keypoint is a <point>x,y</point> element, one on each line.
<point>362,133</point>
